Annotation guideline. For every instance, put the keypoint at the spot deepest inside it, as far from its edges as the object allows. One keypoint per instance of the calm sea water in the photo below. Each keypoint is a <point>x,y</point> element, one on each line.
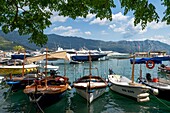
<point>110,102</point>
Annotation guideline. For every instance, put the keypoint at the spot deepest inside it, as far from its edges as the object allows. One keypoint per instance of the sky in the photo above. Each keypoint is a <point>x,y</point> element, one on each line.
<point>120,28</point>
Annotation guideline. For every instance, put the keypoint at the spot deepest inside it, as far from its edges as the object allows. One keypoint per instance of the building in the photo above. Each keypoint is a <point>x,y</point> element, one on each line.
<point>150,54</point>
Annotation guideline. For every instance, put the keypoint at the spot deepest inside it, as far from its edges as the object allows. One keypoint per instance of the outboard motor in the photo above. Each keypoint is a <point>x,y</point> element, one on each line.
<point>148,77</point>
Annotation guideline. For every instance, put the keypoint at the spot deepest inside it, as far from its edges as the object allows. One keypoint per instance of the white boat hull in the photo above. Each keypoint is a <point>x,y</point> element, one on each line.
<point>164,80</point>
<point>128,91</point>
<point>1,78</point>
<point>124,86</point>
<point>91,95</point>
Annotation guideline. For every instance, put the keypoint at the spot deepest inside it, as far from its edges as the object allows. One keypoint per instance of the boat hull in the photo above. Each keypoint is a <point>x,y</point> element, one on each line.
<point>128,90</point>
<point>19,85</point>
<point>86,57</point>
<point>124,86</point>
<point>45,100</point>
<point>90,95</point>
<point>163,89</point>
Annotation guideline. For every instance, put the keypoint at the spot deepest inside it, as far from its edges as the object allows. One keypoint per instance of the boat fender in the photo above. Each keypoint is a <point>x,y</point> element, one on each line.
<point>69,87</point>
<point>61,79</point>
<point>154,91</point>
<point>142,95</point>
<point>143,99</point>
<point>150,64</point>
<point>69,111</point>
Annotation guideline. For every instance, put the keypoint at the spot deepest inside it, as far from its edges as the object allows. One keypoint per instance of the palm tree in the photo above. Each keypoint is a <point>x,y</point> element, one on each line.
<point>19,49</point>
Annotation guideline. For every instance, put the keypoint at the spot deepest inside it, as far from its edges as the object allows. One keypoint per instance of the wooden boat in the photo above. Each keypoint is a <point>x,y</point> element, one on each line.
<point>48,90</point>
<point>158,87</point>
<point>13,75</point>
<point>90,87</point>
<point>127,87</point>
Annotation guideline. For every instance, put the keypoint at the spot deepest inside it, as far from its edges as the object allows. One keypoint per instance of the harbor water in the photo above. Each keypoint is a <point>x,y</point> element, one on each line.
<point>110,102</point>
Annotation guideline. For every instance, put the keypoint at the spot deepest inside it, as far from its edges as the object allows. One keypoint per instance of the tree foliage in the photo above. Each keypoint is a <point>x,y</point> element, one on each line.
<point>31,17</point>
<point>19,49</point>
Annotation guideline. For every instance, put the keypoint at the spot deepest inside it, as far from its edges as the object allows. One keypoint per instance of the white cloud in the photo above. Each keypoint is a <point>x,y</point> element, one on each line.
<point>137,28</point>
<point>128,29</point>
<point>72,32</point>
<point>154,25</point>
<point>120,29</point>
<point>112,26</point>
<point>87,33</point>
<point>104,33</point>
<point>88,17</point>
<point>119,17</point>
<point>66,31</point>
<point>62,28</point>
<point>56,18</point>
<point>160,38</point>
<point>100,22</point>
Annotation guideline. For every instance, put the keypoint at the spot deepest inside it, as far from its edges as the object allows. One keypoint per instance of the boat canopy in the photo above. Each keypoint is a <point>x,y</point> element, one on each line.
<point>156,60</point>
<point>54,55</point>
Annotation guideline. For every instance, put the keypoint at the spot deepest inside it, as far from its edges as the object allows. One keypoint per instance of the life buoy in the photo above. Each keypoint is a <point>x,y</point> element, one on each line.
<point>150,64</point>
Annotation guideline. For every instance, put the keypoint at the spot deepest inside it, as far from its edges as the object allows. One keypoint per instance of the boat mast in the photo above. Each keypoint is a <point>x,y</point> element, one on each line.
<point>140,71</point>
<point>133,68</point>
<point>64,67</point>
<point>90,74</point>
<point>23,64</point>
<point>90,64</point>
<point>46,68</point>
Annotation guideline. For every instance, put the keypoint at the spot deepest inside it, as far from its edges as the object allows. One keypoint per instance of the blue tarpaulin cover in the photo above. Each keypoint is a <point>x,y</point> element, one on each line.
<point>157,60</point>
<point>19,56</point>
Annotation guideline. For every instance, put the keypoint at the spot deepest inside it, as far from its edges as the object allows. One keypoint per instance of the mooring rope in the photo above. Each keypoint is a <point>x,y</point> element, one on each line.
<point>38,105</point>
<point>161,101</point>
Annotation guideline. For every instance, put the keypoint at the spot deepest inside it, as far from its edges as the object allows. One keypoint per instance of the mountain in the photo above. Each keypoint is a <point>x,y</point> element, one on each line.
<point>6,45</point>
<point>77,42</point>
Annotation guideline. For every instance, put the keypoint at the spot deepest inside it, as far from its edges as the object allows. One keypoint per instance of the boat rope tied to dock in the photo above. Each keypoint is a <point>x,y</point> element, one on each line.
<point>162,102</point>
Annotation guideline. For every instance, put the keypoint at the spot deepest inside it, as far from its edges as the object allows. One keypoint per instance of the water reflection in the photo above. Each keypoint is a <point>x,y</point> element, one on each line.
<point>110,102</point>
<point>15,102</point>
<point>80,105</point>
